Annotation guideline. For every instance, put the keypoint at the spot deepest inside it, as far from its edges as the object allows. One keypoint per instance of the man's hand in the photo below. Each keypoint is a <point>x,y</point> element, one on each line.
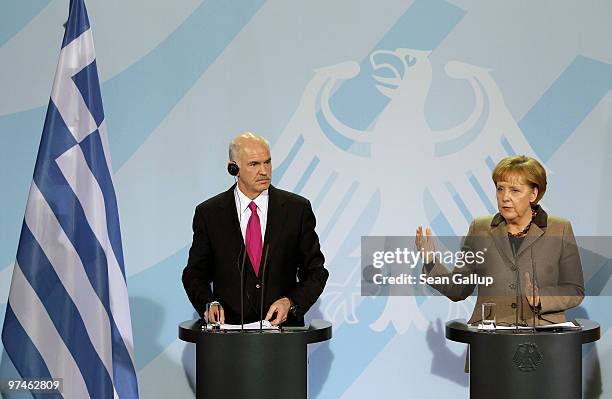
<point>215,313</point>
<point>532,292</point>
<point>281,308</point>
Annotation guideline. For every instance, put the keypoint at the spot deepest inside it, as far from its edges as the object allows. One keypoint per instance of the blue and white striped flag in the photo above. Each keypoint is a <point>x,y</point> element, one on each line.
<point>68,313</point>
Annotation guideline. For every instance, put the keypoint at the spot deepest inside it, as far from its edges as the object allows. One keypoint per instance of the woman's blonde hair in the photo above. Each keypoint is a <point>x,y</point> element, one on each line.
<point>528,168</point>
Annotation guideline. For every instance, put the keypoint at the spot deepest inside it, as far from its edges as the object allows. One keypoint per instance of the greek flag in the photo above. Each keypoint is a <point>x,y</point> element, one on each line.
<point>68,313</point>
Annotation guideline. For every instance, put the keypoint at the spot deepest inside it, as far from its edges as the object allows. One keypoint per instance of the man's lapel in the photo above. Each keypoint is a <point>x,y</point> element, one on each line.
<point>230,213</point>
<point>274,224</point>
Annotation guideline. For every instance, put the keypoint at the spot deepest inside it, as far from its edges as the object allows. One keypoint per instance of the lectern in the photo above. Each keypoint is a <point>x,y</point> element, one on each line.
<point>525,364</point>
<point>252,364</point>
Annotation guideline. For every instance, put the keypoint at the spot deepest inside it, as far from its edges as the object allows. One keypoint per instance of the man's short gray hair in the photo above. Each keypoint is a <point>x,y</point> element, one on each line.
<point>235,144</point>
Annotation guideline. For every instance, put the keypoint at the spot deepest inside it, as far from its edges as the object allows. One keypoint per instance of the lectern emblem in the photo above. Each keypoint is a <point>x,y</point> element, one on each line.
<point>527,357</point>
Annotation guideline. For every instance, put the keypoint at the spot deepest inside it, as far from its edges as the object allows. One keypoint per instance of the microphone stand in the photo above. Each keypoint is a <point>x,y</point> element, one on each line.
<point>517,293</point>
<point>533,289</point>
<point>263,282</point>
<point>242,289</point>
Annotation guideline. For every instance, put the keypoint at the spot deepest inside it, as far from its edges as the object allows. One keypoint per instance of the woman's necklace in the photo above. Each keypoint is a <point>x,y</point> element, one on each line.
<point>526,229</point>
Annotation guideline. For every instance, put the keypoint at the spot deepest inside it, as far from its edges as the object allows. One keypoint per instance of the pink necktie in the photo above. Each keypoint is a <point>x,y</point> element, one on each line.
<point>253,238</point>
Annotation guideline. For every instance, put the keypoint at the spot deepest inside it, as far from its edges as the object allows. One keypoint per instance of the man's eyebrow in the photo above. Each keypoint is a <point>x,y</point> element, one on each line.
<point>254,161</point>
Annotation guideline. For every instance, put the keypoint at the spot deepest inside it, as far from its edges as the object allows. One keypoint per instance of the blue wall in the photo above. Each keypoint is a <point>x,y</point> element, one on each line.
<point>385,114</point>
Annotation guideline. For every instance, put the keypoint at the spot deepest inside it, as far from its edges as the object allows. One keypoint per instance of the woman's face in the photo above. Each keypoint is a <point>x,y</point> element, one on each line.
<point>514,198</point>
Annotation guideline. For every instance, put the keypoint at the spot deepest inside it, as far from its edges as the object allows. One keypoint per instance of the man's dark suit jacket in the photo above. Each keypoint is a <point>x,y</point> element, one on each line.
<point>294,267</point>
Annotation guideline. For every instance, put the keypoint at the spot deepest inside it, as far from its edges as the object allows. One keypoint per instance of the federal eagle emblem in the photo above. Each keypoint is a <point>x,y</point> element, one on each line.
<point>527,357</point>
<point>379,180</point>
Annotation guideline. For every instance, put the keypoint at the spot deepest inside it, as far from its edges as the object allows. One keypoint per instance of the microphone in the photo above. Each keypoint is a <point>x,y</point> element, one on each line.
<point>517,291</point>
<point>263,286</point>
<point>242,265</point>
<point>517,297</point>
<point>533,286</point>
<point>243,249</point>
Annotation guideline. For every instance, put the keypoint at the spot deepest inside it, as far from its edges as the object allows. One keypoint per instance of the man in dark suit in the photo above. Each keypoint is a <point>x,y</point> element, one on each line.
<point>269,231</point>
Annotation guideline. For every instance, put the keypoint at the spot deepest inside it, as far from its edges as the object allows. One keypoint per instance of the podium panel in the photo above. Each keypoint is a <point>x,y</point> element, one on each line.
<point>252,364</point>
<point>524,364</point>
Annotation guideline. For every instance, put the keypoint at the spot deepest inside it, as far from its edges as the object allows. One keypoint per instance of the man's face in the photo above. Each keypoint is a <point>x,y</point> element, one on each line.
<point>255,163</point>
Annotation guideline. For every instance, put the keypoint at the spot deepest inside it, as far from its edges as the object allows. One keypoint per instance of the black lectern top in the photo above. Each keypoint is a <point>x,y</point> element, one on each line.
<point>457,330</point>
<point>317,331</point>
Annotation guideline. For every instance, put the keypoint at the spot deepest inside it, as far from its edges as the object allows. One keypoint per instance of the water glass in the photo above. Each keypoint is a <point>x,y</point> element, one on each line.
<point>488,315</point>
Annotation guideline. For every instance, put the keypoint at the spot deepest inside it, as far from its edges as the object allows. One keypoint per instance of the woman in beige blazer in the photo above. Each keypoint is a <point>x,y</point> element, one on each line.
<point>531,256</point>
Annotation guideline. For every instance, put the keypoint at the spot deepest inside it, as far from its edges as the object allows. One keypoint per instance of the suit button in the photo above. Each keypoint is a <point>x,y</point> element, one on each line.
<point>257,286</point>
<point>513,268</point>
<point>512,286</point>
<point>513,306</point>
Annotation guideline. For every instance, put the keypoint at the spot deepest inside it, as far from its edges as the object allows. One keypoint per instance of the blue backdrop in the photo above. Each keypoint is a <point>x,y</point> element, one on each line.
<point>385,114</point>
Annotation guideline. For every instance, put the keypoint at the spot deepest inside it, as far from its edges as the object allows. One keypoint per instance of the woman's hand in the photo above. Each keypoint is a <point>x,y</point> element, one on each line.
<point>425,244</point>
<point>532,292</point>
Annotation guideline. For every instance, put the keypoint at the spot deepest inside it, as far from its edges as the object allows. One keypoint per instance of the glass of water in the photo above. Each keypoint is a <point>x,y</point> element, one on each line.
<point>488,315</point>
